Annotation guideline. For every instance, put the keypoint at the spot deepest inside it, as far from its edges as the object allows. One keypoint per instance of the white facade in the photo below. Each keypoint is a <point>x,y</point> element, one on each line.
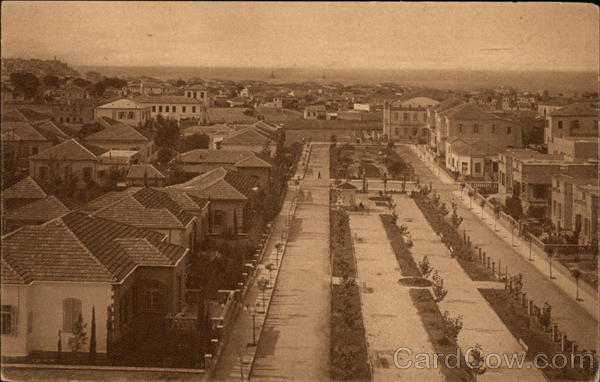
<point>40,316</point>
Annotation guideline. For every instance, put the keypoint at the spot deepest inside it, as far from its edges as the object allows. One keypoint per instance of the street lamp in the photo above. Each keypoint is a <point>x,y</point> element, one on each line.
<point>550,255</point>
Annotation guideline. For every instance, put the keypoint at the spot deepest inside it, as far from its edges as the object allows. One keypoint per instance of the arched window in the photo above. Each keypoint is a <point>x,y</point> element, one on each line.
<point>71,312</point>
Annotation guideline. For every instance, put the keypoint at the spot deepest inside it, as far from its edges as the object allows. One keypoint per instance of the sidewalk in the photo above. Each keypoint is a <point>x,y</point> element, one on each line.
<point>241,335</point>
<point>390,317</point>
<point>295,341</point>
<point>481,324</point>
<point>572,317</point>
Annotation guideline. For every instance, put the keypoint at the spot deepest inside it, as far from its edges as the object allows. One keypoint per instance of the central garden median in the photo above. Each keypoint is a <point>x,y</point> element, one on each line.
<point>349,358</point>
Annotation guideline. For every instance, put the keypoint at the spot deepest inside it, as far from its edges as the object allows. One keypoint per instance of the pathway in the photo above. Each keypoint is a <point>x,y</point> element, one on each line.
<point>295,342</point>
<point>481,324</point>
<point>390,318</point>
<point>571,316</point>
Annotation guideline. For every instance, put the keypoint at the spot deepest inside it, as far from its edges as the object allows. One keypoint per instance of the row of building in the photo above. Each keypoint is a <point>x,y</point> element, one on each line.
<point>123,259</point>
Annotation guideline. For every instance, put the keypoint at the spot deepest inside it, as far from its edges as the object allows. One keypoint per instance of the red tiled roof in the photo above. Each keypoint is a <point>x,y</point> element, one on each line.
<point>247,136</point>
<point>138,171</point>
<point>39,210</point>
<point>576,109</point>
<point>26,188</point>
<point>20,131</point>
<point>70,150</point>
<point>167,99</point>
<point>219,184</point>
<point>468,111</point>
<point>119,132</point>
<point>51,252</point>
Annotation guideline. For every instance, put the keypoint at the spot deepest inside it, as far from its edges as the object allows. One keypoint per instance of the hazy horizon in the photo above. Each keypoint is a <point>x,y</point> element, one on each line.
<point>451,36</point>
<point>433,78</point>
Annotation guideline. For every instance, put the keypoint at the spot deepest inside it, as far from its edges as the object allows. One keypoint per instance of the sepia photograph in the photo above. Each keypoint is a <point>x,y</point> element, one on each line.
<point>299,191</point>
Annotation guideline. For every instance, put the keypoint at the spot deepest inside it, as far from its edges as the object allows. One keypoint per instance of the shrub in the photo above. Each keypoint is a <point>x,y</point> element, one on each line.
<point>425,267</point>
<point>439,292</point>
<point>451,326</point>
<point>79,339</point>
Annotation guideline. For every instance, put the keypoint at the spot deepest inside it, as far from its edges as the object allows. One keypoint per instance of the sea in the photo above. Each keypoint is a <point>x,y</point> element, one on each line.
<point>553,81</point>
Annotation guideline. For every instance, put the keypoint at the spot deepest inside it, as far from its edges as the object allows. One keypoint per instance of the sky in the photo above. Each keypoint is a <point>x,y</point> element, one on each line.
<point>485,36</point>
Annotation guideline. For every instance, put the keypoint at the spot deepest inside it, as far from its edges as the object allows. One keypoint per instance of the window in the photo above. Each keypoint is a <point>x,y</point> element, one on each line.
<point>415,116</point>
<point>152,297</point>
<point>406,117</point>
<point>160,108</point>
<point>560,124</point>
<point>493,129</point>
<point>71,312</point>
<point>424,132</point>
<point>195,95</point>
<point>396,116</point>
<point>167,109</point>
<point>508,130</point>
<point>34,150</point>
<point>174,108</point>
<point>460,128</point>
<point>193,109</point>
<point>130,115</point>
<point>396,131</point>
<point>475,128</point>
<point>183,109</point>
<point>121,115</point>
<point>9,319</point>
<point>154,108</point>
<point>87,172</point>
<point>478,167</point>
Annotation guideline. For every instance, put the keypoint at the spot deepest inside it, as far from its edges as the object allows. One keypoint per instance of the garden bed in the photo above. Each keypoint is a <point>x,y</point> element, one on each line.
<point>521,326</point>
<point>451,238</point>
<point>349,357</point>
<point>433,323</point>
<point>407,264</point>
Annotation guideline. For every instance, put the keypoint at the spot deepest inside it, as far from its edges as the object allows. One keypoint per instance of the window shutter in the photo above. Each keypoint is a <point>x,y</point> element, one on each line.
<point>14,316</point>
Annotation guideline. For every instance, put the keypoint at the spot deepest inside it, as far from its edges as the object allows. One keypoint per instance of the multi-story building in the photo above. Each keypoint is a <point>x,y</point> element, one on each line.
<point>575,120</point>
<point>528,174</point>
<point>406,121</point>
<point>197,92</point>
<point>469,122</point>
<point>125,110</point>
<point>174,107</point>
<point>436,124</point>
<point>575,206</point>
<point>74,111</point>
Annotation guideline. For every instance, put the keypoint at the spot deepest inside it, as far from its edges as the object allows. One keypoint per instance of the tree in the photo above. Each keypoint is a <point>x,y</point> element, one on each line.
<point>51,81</point>
<point>81,82</point>
<point>25,82</point>
<point>93,336</point>
<point>192,142</point>
<point>514,207</point>
<point>164,155</point>
<point>79,339</point>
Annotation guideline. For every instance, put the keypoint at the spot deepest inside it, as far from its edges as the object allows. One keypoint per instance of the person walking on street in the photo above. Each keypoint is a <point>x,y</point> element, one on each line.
<point>319,175</point>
